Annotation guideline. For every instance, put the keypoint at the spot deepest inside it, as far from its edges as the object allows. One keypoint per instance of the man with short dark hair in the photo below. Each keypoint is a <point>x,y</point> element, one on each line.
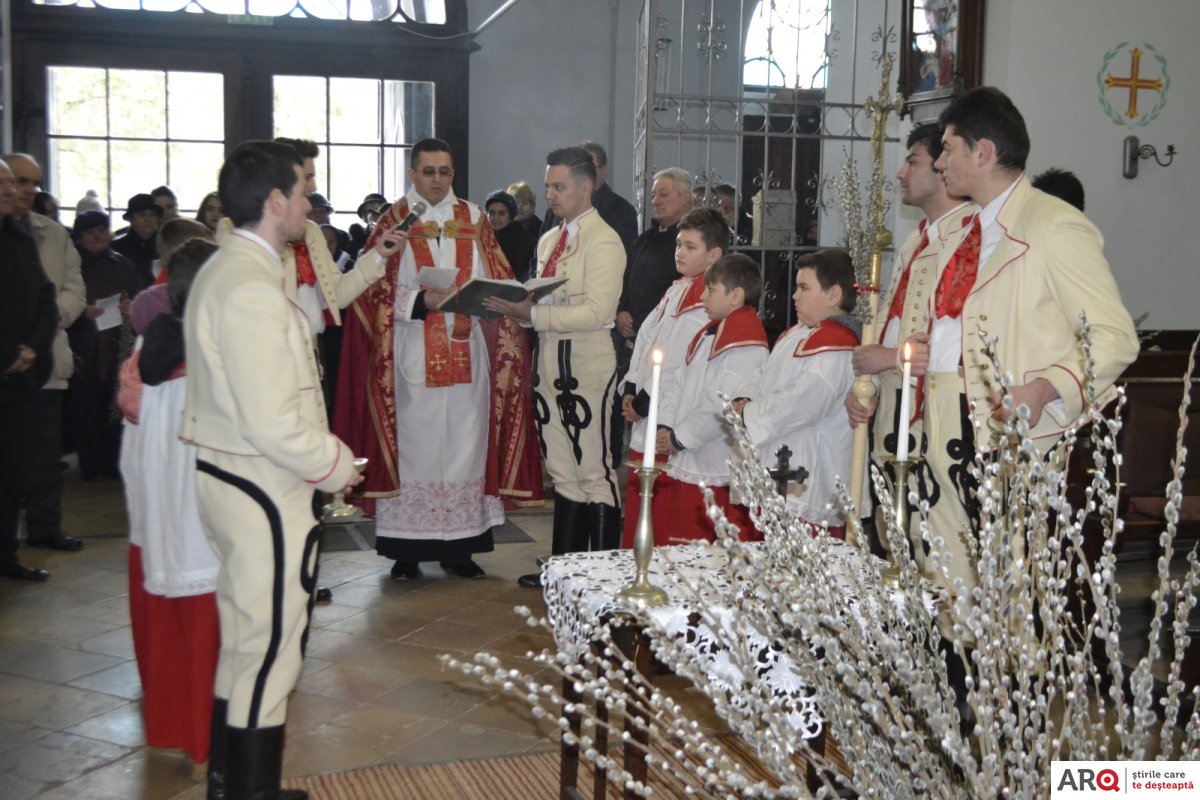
<point>618,212</point>
<point>1062,184</point>
<point>1041,266</point>
<point>263,448</point>
<point>1028,268</point>
<point>925,271</point>
<point>28,317</point>
<point>446,420</point>
<point>43,479</point>
<point>576,369</point>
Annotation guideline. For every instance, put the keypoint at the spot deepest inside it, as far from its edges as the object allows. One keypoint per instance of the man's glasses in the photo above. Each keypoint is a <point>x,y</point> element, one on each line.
<point>445,172</point>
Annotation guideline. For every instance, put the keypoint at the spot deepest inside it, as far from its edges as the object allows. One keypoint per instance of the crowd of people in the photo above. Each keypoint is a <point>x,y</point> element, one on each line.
<point>257,356</point>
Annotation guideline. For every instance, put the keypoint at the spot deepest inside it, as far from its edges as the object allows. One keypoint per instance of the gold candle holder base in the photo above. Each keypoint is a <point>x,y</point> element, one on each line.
<point>641,590</point>
<point>339,508</point>
<point>891,573</point>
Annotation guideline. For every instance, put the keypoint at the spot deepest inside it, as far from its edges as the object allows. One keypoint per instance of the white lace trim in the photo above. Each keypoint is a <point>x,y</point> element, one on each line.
<point>437,510</point>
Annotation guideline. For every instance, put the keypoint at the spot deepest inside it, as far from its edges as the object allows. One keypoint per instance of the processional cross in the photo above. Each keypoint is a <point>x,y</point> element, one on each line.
<point>880,108</point>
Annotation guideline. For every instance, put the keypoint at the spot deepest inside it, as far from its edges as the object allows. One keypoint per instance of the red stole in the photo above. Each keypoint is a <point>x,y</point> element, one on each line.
<point>742,328</point>
<point>365,411</point>
<point>447,358</point>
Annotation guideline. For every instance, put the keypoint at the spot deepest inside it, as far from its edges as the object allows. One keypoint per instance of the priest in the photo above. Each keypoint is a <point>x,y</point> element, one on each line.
<point>440,403</point>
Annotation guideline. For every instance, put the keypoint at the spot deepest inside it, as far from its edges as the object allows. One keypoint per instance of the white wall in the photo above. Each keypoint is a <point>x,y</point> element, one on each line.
<point>1046,56</point>
<point>543,78</point>
<point>553,72</point>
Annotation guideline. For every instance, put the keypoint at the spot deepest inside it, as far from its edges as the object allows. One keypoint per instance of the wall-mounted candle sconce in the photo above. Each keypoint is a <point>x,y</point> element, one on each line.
<point>1134,153</point>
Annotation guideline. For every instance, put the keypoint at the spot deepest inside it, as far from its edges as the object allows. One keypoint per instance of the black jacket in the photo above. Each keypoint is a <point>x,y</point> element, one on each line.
<point>28,312</point>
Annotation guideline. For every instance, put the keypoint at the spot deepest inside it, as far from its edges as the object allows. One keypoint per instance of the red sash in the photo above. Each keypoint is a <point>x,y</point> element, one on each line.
<point>896,309</point>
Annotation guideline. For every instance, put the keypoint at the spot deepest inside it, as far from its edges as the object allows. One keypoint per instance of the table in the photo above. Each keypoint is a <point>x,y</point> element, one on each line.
<point>580,591</point>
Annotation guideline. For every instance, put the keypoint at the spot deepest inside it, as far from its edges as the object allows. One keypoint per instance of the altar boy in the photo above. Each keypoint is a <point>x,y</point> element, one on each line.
<point>670,327</point>
<point>721,357</point>
<point>797,398</point>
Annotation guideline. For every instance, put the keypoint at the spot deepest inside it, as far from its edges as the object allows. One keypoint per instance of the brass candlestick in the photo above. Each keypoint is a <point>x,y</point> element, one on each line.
<point>339,508</point>
<point>643,545</point>
<point>891,573</point>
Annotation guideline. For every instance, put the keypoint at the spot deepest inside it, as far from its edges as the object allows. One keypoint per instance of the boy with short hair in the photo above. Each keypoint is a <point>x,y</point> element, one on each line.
<point>700,241</point>
<point>722,356</point>
<point>796,400</point>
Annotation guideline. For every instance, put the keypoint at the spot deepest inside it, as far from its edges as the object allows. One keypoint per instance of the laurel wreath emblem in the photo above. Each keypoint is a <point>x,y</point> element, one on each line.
<point>1116,116</point>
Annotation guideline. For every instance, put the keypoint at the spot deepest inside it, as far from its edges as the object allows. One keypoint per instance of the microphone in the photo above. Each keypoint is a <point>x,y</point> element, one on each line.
<point>414,215</point>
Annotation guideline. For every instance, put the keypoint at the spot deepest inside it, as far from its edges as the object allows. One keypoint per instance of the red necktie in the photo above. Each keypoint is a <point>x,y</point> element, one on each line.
<point>896,309</point>
<point>552,262</point>
<point>305,274</point>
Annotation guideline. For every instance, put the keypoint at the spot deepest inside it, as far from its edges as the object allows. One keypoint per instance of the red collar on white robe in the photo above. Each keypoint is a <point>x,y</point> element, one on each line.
<point>827,337</point>
<point>691,296</point>
<point>742,328</point>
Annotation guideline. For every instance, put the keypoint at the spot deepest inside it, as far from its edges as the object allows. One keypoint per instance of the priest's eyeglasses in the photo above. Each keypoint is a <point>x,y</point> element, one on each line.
<point>445,172</point>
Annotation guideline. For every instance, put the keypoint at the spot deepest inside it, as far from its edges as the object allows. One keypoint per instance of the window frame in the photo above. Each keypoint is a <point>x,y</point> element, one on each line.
<point>247,55</point>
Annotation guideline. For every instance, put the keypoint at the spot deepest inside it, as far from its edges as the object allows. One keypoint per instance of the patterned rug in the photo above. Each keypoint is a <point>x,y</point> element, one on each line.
<point>517,778</point>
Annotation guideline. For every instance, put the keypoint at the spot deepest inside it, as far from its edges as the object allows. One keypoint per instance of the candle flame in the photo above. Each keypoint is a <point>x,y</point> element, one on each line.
<point>657,355</point>
<point>908,351</point>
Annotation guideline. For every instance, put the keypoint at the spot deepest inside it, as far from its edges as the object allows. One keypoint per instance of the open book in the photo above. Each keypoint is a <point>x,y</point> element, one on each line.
<point>469,298</point>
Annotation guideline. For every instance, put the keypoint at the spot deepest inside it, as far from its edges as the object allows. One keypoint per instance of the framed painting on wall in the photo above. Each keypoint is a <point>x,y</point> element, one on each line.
<point>941,44</point>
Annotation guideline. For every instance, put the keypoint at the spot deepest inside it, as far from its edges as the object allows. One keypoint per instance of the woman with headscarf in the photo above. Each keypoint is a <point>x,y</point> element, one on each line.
<point>518,246</point>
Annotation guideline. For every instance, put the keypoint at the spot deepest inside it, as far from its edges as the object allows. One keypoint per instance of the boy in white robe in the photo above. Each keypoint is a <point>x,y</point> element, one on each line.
<point>693,432</point>
<point>796,400</point>
<point>670,327</point>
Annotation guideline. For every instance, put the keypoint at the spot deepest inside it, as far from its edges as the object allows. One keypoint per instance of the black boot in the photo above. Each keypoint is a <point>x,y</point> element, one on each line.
<point>254,764</point>
<point>570,535</point>
<point>604,526</point>
<point>216,751</point>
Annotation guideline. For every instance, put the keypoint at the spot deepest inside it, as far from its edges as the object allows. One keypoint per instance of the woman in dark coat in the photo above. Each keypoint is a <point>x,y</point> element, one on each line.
<point>95,338</point>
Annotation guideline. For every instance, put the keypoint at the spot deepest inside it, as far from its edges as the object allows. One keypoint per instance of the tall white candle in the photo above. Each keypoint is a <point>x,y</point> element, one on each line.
<point>905,404</point>
<point>652,419</point>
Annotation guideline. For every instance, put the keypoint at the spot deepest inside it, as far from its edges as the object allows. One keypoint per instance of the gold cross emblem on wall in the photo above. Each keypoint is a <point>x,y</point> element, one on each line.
<point>1134,82</point>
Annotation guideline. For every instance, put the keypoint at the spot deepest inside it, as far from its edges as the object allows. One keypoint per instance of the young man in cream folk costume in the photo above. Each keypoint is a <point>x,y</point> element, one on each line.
<point>576,366</point>
<point>255,413</point>
<point>1029,266</point>
<point>941,431</point>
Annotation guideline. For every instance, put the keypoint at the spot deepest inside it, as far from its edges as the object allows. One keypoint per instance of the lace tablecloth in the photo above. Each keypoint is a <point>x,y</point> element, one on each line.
<point>581,590</point>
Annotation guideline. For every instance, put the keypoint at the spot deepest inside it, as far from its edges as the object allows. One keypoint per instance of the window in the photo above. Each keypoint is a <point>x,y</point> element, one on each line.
<point>365,129</point>
<point>432,12</point>
<point>785,45</point>
<point>122,132</point>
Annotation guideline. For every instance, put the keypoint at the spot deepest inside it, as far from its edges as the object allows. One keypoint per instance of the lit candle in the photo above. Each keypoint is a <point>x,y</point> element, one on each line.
<point>902,440</point>
<point>652,419</point>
